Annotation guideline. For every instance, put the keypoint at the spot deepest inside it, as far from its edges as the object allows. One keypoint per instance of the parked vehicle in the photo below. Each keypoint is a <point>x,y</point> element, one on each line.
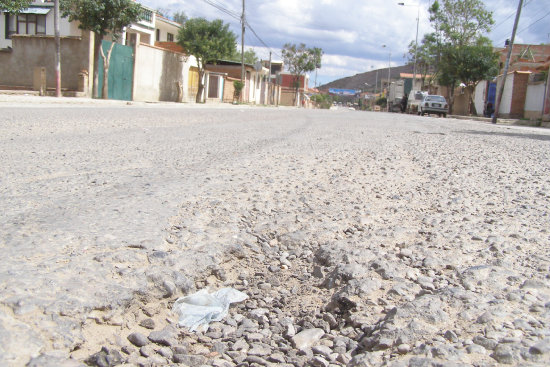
<point>396,94</point>
<point>433,104</point>
<point>415,98</point>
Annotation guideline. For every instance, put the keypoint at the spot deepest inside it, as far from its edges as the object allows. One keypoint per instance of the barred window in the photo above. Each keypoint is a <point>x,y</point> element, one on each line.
<point>25,24</point>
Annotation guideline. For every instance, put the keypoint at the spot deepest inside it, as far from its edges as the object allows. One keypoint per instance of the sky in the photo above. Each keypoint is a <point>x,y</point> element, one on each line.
<point>356,35</point>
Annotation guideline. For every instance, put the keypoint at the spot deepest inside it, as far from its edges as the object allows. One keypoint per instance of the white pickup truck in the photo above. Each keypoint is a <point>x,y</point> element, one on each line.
<point>415,98</point>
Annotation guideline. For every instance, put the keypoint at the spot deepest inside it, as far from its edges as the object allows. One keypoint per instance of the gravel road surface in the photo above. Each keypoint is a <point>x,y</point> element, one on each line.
<point>360,238</point>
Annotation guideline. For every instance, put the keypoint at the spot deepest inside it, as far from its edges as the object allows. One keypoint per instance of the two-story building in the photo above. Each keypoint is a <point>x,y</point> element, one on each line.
<point>152,62</point>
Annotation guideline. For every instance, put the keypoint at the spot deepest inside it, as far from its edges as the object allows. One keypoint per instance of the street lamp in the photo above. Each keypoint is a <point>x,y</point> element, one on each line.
<point>389,73</point>
<point>416,41</point>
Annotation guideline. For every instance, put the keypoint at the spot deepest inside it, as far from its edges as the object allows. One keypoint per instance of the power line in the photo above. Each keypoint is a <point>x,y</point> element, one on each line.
<point>536,21</point>
<point>529,26</point>
<point>237,16</point>
<point>510,16</point>
<point>261,41</point>
<point>232,14</point>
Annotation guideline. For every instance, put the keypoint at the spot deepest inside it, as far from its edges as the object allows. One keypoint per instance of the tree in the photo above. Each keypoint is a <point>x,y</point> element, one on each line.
<point>469,64</point>
<point>14,6</point>
<point>180,17</point>
<point>250,57</point>
<point>208,41</point>
<point>427,56</point>
<point>300,60</point>
<point>461,22</point>
<point>456,51</point>
<point>318,54</point>
<point>102,17</point>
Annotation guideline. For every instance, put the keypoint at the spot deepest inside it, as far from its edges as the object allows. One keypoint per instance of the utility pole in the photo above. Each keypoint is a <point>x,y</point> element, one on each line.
<point>416,40</point>
<point>507,65</point>
<point>57,50</point>
<point>242,44</point>
<point>376,83</point>
<point>269,89</point>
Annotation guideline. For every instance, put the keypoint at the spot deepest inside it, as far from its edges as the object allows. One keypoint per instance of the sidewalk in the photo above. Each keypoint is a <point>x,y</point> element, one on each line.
<point>501,121</point>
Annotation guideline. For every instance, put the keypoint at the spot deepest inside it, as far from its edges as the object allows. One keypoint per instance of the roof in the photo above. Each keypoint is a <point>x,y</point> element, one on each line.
<point>410,76</point>
<point>36,10</point>
<point>169,21</point>
<point>231,63</point>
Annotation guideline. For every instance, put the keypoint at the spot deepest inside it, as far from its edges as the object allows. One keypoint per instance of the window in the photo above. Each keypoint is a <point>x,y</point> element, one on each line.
<point>158,35</point>
<point>170,37</point>
<point>147,15</point>
<point>10,26</point>
<point>25,24</point>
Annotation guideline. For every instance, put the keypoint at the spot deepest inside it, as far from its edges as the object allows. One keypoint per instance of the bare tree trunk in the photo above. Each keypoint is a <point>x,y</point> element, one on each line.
<point>97,52</point>
<point>297,89</point>
<point>451,97</point>
<point>57,50</point>
<point>198,99</point>
<point>472,108</point>
<point>106,60</point>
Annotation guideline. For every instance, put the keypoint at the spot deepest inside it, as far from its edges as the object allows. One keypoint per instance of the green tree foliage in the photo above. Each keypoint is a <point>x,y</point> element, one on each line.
<point>102,17</point>
<point>250,57</point>
<point>180,17</point>
<point>456,52</point>
<point>237,89</point>
<point>427,56</point>
<point>14,6</point>
<point>469,64</point>
<point>323,101</point>
<point>461,22</point>
<point>208,41</point>
<point>300,60</point>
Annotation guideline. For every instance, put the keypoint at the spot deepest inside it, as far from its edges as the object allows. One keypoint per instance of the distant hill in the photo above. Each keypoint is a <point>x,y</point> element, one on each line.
<point>358,80</point>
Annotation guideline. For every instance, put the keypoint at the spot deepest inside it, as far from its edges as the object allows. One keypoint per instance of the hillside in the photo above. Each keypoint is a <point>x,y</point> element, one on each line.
<point>358,80</point>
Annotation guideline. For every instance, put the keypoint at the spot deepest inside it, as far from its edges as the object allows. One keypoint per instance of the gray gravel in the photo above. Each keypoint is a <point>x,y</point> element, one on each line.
<point>360,238</point>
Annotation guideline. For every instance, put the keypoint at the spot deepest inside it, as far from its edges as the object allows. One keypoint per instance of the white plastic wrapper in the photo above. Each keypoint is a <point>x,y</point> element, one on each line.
<point>201,308</point>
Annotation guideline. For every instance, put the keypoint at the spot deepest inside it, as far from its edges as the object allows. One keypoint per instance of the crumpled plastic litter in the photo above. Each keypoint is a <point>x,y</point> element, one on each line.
<point>199,309</point>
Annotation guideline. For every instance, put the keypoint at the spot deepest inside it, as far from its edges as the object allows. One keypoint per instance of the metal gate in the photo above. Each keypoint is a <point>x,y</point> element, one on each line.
<point>491,93</point>
<point>121,71</point>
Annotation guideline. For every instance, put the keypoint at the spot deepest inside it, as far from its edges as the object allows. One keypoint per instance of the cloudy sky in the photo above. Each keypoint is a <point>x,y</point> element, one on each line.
<point>352,33</point>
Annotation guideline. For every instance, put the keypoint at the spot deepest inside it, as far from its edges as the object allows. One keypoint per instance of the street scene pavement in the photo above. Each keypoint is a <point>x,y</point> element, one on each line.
<point>360,238</point>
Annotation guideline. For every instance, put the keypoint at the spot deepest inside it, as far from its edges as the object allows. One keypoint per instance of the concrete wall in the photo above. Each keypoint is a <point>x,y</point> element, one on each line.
<point>161,75</point>
<point>480,93</point>
<point>534,100</point>
<point>287,97</point>
<point>38,51</point>
<point>506,100</point>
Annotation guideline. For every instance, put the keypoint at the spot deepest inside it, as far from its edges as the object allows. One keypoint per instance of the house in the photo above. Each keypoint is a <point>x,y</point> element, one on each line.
<point>526,83</point>
<point>546,102</point>
<point>524,57</point>
<point>288,89</point>
<point>146,65</point>
<point>255,87</point>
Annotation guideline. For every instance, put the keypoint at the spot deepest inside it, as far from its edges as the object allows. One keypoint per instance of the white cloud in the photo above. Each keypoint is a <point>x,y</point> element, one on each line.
<point>351,32</point>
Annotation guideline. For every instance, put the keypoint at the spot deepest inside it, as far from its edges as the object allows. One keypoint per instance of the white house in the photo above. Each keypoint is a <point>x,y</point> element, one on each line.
<point>37,19</point>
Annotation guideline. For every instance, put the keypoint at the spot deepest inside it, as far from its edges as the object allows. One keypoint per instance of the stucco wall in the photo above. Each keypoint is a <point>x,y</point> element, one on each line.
<point>480,93</point>
<point>533,100</point>
<point>506,100</point>
<point>38,51</point>
<point>157,73</point>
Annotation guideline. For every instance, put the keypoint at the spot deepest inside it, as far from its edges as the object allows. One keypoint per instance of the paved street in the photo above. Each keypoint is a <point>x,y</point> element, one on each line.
<point>112,208</point>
